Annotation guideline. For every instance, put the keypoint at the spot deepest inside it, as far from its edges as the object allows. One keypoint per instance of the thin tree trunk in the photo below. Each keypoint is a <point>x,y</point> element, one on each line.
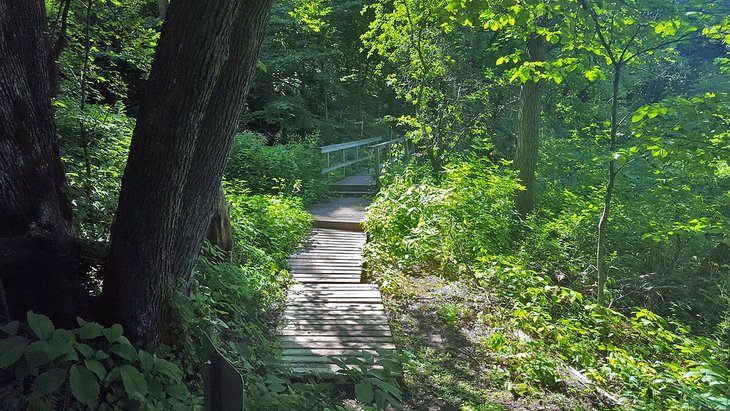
<point>603,221</point>
<point>194,100</point>
<point>528,130</point>
<point>33,201</point>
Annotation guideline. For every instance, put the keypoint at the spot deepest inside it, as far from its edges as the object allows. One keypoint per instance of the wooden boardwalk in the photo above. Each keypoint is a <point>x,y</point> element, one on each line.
<point>330,312</point>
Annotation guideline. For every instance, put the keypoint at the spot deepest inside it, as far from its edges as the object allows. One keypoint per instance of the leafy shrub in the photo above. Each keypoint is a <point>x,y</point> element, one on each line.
<point>292,168</point>
<point>462,225</point>
<point>98,367</point>
<point>267,228</point>
<point>376,386</point>
<point>467,214</point>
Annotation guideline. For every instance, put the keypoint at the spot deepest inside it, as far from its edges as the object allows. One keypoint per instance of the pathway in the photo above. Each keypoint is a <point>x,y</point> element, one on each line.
<point>330,312</point>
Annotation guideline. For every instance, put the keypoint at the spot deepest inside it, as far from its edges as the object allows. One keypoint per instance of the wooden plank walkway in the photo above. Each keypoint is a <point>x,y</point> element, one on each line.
<point>330,312</point>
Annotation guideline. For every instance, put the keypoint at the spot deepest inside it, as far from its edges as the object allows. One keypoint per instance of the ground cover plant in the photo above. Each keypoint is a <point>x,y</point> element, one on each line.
<point>494,322</point>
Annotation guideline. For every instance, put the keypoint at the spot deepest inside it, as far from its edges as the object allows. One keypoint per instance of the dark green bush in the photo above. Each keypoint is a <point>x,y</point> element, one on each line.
<point>90,367</point>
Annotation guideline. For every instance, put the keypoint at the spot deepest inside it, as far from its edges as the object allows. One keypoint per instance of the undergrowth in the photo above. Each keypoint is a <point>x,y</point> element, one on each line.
<point>523,323</point>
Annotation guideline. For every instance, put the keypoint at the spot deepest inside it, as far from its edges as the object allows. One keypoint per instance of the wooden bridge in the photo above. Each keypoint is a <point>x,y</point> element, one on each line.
<point>361,162</point>
<point>331,312</point>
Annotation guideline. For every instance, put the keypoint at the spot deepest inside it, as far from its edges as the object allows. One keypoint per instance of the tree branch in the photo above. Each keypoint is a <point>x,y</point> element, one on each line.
<point>631,40</point>
<point>659,46</point>
<point>599,31</point>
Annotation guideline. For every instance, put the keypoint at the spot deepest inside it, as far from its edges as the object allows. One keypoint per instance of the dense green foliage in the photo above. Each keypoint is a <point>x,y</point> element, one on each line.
<point>292,168</point>
<point>513,298</point>
<point>531,326</point>
<point>88,367</point>
<point>313,80</point>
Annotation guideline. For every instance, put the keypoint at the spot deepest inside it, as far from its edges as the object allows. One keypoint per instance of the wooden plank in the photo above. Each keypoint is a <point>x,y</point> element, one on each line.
<point>356,298</point>
<point>343,329</point>
<point>326,257</point>
<point>322,277</point>
<point>312,307</point>
<point>305,268</point>
<point>360,333</point>
<point>326,267</point>
<point>335,352</point>
<point>297,287</point>
<point>329,247</point>
<point>351,144</point>
<point>289,317</point>
<point>299,322</point>
<point>336,280</point>
<point>326,270</point>
<point>305,339</point>
<point>335,294</point>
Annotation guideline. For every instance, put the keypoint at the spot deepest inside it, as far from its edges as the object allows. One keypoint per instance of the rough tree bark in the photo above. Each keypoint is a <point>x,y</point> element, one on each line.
<point>194,98</point>
<point>34,210</point>
<point>528,130</point>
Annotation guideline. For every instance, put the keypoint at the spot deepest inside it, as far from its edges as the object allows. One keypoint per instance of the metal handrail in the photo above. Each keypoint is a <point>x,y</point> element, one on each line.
<point>387,143</point>
<point>350,144</point>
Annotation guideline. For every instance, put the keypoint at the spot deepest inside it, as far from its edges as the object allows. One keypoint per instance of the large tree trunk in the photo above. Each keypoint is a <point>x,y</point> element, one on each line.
<point>528,130</point>
<point>34,210</point>
<point>194,99</point>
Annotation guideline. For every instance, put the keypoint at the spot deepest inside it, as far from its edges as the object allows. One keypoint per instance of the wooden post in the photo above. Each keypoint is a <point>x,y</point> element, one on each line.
<point>223,388</point>
<point>377,166</point>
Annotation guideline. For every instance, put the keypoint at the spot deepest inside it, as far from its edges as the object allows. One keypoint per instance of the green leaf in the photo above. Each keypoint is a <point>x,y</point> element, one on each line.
<point>10,328</point>
<point>167,368</point>
<point>97,368</point>
<point>369,358</point>
<point>261,66</point>
<point>47,383</point>
<point>593,74</point>
<point>125,351</point>
<point>390,365</point>
<point>41,325</point>
<point>84,385</point>
<point>179,391</point>
<point>40,353</point>
<point>89,331</point>
<point>85,350</point>
<point>364,392</point>
<point>113,375</point>
<point>134,382</point>
<point>11,349</point>
<point>113,333</point>
<point>147,361</point>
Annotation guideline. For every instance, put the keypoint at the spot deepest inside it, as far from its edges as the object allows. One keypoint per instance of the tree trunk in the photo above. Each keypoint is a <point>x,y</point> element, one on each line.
<point>603,221</point>
<point>194,99</point>
<point>528,130</point>
<point>33,203</point>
